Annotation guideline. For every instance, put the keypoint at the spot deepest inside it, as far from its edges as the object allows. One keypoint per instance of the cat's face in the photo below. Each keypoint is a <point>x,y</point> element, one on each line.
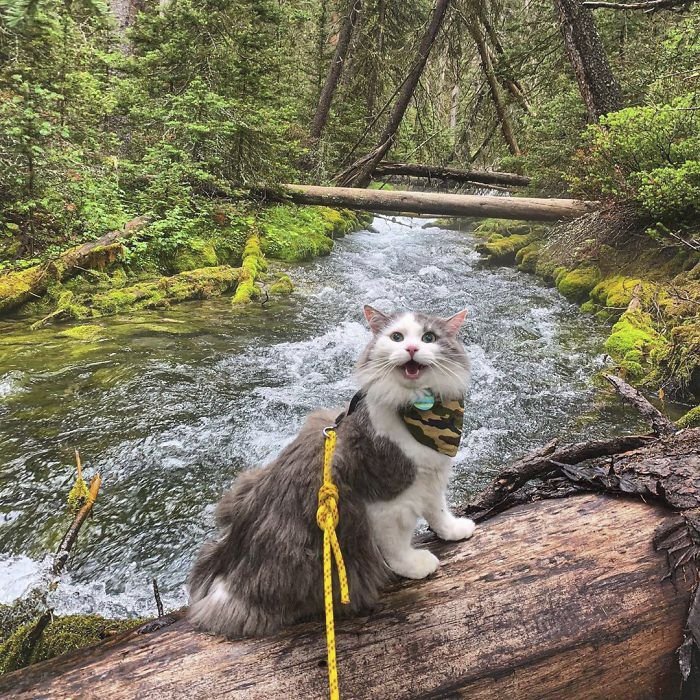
<point>411,352</point>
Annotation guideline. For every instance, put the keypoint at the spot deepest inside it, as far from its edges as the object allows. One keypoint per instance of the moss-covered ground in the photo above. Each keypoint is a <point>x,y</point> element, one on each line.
<point>60,636</point>
<point>160,267</point>
<point>649,292</point>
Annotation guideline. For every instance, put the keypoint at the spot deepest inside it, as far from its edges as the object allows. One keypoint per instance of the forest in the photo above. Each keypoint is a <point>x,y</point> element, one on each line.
<point>174,177</point>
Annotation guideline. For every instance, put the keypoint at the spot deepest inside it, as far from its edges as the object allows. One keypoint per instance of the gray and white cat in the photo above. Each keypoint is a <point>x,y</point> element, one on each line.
<point>265,571</point>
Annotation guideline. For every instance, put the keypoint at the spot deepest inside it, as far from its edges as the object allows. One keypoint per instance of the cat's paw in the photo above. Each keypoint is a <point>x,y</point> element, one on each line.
<point>419,563</point>
<point>457,529</point>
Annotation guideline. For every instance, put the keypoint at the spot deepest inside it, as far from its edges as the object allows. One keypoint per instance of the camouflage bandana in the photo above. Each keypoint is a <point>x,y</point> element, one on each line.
<point>439,427</point>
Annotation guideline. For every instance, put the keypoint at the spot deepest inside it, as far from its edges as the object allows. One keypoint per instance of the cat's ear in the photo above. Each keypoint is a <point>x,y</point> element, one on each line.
<point>454,323</point>
<point>376,319</point>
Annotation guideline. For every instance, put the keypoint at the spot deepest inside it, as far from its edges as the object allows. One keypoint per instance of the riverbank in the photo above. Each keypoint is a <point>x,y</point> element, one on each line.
<point>614,268</point>
<point>224,250</point>
<point>169,405</point>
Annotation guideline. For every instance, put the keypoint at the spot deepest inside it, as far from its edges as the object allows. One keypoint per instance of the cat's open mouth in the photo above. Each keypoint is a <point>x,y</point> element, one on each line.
<point>412,369</point>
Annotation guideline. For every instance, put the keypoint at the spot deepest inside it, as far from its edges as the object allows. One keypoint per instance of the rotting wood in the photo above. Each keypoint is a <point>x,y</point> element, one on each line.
<point>16,288</point>
<point>527,608</point>
<point>528,208</point>
<point>439,172</point>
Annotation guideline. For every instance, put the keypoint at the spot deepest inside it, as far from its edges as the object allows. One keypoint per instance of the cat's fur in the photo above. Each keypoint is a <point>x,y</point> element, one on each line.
<point>265,570</point>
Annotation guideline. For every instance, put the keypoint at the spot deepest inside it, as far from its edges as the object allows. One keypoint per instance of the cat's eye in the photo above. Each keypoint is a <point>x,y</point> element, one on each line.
<point>429,337</point>
<point>396,337</point>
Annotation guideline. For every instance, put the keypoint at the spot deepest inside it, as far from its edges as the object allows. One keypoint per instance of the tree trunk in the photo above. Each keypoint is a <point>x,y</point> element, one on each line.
<point>499,105</point>
<point>16,288</point>
<point>387,168</point>
<point>599,87</point>
<point>549,600</point>
<point>513,86</point>
<point>336,68</point>
<point>531,209</point>
<point>359,173</point>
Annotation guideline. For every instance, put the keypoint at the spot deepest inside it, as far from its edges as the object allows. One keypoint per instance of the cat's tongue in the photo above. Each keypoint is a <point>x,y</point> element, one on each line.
<point>412,369</point>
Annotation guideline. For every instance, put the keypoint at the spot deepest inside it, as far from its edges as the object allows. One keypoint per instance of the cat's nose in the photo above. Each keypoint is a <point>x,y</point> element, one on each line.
<point>412,350</point>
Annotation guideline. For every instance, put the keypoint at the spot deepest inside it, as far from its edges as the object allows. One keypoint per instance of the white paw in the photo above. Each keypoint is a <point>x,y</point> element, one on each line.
<point>457,529</point>
<point>418,563</point>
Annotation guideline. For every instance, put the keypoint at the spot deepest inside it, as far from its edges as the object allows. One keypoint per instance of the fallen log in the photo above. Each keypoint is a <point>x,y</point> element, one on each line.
<point>552,599</point>
<point>16,288</point>
<point>527,208</point>
<point>387,168</point>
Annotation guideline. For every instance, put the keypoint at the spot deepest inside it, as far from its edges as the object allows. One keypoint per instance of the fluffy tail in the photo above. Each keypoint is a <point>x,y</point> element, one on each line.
<point>215,607</point>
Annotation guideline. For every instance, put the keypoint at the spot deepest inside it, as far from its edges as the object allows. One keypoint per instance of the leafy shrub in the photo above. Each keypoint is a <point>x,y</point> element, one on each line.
<point>649,155</point>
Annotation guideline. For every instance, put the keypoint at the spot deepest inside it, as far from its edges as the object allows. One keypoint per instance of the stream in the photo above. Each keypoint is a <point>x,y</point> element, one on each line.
<point>169,406</point>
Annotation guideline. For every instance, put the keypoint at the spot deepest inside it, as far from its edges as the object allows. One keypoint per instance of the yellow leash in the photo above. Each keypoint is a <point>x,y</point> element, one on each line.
<point>327,520</point>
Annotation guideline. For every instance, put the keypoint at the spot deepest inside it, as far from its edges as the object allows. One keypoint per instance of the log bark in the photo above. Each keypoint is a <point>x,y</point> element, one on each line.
<point>359,173</point>
<point>16,288</point>
<point>439,172</point>
<point>531,209</point>
<point>539,604</point>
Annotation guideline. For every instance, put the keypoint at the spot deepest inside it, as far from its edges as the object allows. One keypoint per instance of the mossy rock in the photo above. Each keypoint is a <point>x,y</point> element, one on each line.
<point>502,251</point>
<point>505,228</point>
<point>691,419</point>
<point>526,258</point>
<point>296,233</point>
<point>87,333</point>
<point>634,343</point>
<point>617,292</point>
<point>62,635</point>
<point>577,284</point>
<point>282,286</point>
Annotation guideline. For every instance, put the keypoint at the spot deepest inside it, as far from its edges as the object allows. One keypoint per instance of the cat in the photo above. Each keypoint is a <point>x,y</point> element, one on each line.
<point>265,571</point>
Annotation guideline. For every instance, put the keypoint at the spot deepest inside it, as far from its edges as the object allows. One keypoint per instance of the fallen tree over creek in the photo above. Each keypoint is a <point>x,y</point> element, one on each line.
<point>438,172</point>
<point>585,596</point>
<point>430,203</point>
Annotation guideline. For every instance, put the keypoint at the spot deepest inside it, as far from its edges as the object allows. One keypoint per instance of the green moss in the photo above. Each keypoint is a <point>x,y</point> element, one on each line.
<point>200,284</point>
<point>634,343</point>
<point>193,284</point>
<point>679,360</point>
<point>527,257</point>
<point>576,284</point>
<point>506,227</point>
<point>253,264</point>
<point>16,287</point>
<point>282,286</point>
<point>88,333</point>
<point>617,291</point>
<point>63,634</point>
<point>294,233</point>
<point>68,307</point>
<point>503,250</point>
<point>193,255</point>
<point>691,419</point>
